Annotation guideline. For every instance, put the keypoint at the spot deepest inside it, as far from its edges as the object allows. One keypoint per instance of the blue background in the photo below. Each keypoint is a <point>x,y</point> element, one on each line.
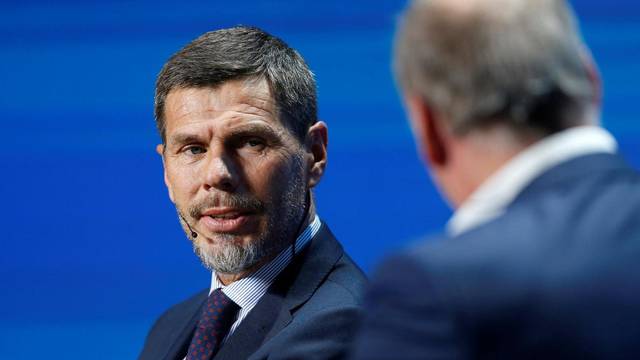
<point>91,250</point>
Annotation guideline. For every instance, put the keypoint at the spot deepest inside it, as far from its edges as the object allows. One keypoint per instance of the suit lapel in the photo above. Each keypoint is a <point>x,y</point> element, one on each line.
<point>178,347</point>
<point>252,331</point>
<point>292,288</point>
<point>305,275</point>
<point>312,267</point>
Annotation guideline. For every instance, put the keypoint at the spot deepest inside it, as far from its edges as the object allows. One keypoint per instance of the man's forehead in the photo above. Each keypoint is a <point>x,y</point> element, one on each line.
<point>252,97</point>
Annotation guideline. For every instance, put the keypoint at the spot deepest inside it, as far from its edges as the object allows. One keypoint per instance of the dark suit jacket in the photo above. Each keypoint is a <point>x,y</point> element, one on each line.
<point>310,312</point>
<point>557,276</point>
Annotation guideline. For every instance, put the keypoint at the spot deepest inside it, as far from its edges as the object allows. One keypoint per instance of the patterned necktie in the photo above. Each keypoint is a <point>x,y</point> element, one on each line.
<point>215,321</point>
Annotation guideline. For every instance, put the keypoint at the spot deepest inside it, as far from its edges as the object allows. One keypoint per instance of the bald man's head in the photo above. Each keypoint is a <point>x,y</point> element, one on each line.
<point>490,9</point>
<point>487,61</point>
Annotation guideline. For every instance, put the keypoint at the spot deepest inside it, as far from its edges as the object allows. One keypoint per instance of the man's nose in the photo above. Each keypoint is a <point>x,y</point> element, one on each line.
<point>221,172</point>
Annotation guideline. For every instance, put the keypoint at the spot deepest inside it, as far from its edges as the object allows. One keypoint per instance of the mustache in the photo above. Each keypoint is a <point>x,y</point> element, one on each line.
<point>236,201</point>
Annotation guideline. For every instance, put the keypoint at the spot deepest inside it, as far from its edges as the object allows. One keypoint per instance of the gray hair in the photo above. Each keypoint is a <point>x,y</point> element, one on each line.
<point>518,62</point>
<point>242,53</point>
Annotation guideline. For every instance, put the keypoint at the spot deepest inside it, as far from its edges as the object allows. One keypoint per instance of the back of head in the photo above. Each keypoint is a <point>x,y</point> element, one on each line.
<point>243,53</point>
<point>520,63</point>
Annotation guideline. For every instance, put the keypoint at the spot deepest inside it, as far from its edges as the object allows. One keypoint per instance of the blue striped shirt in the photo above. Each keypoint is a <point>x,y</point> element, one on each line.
<point>248,291</point>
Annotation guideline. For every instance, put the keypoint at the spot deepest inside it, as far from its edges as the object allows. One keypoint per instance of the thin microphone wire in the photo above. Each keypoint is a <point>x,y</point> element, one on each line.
<point>302,222</point>
<point>193,233</point>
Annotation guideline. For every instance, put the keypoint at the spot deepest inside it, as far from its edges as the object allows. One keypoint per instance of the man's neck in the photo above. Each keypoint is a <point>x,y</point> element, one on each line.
<point>480,155</point>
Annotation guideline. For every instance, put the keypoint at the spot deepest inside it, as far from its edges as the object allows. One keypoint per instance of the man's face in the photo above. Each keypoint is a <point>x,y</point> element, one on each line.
<point>236,174</point>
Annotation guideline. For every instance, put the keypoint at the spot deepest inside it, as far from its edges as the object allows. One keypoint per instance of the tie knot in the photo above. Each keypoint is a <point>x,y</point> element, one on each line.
<point>219,298</point>
<point>219,310</point>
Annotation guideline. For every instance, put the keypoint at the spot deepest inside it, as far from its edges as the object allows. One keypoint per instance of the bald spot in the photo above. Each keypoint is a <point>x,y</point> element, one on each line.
<point>474,10</point>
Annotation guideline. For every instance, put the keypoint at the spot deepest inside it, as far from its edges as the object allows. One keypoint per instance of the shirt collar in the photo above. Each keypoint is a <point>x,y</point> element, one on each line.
<point>247,291</point>
<point>490,200</point>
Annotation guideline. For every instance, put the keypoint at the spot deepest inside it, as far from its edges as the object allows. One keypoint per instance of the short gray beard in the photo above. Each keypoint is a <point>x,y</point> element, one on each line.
<point>228,257</point>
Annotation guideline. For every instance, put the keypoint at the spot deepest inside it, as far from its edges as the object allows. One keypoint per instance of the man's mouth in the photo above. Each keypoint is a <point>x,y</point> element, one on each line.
<point>225,220</point>
<point>225,216</point>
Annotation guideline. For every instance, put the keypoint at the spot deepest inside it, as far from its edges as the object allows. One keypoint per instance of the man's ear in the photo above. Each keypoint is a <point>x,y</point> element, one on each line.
<point>594,76</point>
<point>160,151</point>
<point>427,130</point>
<point>316,145</point>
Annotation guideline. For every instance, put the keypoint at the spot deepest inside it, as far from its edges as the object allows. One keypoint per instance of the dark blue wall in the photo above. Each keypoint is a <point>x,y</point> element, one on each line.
<point>91,251</point>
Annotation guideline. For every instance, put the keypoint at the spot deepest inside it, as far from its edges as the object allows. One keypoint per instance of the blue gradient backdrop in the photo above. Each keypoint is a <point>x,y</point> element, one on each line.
<point>91,250</point>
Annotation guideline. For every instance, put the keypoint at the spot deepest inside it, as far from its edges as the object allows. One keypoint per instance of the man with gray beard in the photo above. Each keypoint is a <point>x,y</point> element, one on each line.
<point>242,148</point>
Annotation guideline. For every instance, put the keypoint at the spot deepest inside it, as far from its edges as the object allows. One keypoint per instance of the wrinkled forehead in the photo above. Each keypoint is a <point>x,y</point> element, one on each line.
<point>245,95</point>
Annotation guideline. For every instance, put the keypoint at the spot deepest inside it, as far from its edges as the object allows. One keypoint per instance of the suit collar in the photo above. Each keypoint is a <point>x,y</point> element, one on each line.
<point>497,192</point>
<point>574,170</point>
<point>311,268</point>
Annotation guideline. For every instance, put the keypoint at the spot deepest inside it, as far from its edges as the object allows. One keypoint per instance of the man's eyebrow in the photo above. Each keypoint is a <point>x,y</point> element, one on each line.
<point>179,139</point>
<point>243,130</point>
<point>253,129</point>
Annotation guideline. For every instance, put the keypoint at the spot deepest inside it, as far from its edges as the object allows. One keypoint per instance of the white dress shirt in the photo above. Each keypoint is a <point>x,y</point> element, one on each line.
<point>490,200</point>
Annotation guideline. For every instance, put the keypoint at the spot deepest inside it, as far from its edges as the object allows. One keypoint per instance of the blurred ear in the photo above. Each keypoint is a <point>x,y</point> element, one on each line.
<point>594,76</point>
<point>160,151</point>
<point>316,145</point>
<point>427,131</point>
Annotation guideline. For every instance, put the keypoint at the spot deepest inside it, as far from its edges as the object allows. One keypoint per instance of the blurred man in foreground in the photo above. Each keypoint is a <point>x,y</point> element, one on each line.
<point>541,258</point>
<point>242,148</point>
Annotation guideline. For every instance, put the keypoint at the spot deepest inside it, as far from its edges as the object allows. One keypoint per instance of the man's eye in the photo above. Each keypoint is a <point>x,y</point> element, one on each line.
<point>195,150</point>
<point>255,143</point>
